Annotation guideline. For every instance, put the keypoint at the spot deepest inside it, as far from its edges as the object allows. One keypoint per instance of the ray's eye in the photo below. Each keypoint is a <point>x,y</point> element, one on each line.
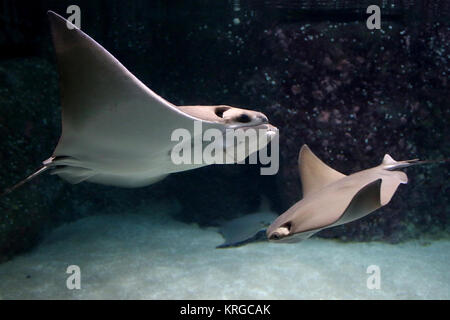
<point>243,118</point>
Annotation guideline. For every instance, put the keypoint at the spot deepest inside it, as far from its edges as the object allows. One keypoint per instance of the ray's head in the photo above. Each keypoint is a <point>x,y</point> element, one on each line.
<point>229,116</point>
<point>279,232</point>
<point>237,118</point>
<point>286,230</point>
<point>251,129</point>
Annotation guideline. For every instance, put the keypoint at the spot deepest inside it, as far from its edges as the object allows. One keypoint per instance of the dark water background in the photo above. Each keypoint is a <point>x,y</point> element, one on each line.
<point>312,67</point>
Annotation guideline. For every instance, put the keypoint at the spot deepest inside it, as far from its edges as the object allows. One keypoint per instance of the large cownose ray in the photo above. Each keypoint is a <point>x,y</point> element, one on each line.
<point>115,130</point>
<point>331,198</point>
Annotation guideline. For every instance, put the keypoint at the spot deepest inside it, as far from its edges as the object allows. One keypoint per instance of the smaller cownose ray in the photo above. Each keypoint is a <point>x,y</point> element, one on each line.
<point>248,228</point>
<point>331,198</point>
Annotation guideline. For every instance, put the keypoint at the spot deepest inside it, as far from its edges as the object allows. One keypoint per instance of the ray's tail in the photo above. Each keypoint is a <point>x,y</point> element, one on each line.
<point>47,164</point>
<point>391,164</point>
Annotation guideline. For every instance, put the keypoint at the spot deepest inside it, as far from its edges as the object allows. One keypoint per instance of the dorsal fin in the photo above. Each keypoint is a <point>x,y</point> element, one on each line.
<point>388,159</point>
<point>313,172</point>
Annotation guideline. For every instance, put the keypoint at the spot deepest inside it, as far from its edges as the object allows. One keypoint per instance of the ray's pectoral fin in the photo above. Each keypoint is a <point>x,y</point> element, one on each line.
<point>73,175</point>
<point>259,236</point>
<point>390,185</point>
<point>125,181</point>
<point>69,169</point>
<point>104,106</point>
<point>364,202</point>
<point>314,173</point>
<point>246,229</point>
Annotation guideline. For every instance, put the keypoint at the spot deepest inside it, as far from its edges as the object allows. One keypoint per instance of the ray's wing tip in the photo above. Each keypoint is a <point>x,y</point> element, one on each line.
<point>52,15</point>
<point>226,245</point>
<point>304,147</point>
<point>56,18</point>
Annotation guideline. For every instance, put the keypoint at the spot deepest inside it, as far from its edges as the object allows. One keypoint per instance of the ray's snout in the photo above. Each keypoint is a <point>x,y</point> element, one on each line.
<point>274,233</point>
<point>262,117</point>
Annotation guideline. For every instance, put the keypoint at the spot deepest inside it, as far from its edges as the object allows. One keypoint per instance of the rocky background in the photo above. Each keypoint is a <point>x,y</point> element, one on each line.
<point>312,67</point>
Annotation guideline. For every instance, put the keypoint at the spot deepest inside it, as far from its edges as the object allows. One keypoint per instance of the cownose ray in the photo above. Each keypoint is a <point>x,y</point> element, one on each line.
<point>331,198</point>
<point>115,130</point>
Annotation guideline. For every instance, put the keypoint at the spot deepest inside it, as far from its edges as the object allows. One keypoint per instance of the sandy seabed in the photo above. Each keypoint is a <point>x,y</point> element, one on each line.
<point>152,256</point>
